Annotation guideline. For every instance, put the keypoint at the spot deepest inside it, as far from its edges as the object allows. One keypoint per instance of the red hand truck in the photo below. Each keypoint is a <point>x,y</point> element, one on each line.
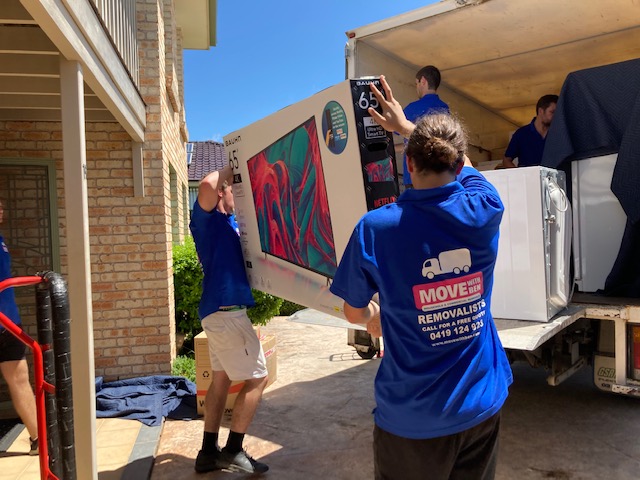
<point>52,373</point>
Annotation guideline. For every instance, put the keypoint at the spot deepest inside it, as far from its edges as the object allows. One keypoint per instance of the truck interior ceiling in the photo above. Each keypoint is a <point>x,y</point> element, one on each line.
<point>497,57</point>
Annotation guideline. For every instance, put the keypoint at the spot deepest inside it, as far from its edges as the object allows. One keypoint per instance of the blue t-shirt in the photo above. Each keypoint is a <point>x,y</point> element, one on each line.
<point>429,104</point>
<point>431,257</point>
<point>217,240</point>
<point>527,145</point>
<point>8,304</point>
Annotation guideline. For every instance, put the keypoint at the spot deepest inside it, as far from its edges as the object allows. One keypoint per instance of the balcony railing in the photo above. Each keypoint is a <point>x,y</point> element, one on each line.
<point>119,18</point>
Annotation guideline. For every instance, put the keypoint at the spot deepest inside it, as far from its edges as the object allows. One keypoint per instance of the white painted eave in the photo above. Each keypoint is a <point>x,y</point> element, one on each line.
<point>197,18</point>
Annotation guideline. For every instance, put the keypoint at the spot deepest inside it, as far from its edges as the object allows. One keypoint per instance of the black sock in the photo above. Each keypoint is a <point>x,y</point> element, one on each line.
<point>234,443</point>
<point>210,442</point>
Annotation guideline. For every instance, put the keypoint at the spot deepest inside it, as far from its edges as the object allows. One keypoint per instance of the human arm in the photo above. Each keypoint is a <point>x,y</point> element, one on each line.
<point>392,118</point>
<point>369,316</point>
<point>208,190</point>
<point>507,162</point>
<point>512,151</point>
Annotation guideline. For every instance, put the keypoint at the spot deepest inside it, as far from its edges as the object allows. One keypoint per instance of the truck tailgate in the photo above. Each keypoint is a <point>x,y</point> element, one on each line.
<point>527,335</point>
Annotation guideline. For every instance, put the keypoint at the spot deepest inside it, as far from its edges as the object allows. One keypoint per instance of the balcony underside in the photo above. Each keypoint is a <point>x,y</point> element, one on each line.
<point>34,34</point>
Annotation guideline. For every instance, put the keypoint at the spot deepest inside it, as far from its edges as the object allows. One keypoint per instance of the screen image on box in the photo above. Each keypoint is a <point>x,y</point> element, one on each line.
<point>380,171</point>
<point>290,197</point>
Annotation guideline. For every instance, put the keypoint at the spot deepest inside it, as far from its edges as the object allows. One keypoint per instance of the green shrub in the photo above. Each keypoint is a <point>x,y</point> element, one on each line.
<point>184,367</point>
<point>267,306</point>
<point>289,308</point>
<point>187,281</point>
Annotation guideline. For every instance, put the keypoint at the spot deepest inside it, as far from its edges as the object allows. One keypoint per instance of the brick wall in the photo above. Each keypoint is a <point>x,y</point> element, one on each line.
<point>130,237</point>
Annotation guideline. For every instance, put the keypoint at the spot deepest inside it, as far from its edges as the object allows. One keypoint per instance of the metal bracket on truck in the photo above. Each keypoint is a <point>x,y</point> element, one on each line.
<point>579,335</point>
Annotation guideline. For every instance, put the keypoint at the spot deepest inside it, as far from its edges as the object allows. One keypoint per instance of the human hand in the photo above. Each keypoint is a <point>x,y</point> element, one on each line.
<point>392,118</point>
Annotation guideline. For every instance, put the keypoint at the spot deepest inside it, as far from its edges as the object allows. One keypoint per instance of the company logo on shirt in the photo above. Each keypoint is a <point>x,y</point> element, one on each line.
<point>456,261</point>
<point>4,247</point>
<point>454,291</point>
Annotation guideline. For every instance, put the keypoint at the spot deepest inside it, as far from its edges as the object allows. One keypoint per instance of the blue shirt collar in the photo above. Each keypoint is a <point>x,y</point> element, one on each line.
<point>431,194</point>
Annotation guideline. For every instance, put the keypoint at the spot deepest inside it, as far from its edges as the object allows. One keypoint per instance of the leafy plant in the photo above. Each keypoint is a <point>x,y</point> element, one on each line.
<point>184,367</point>
<point>187,281</point>
<point>267,306</point>
<point>289,308</point>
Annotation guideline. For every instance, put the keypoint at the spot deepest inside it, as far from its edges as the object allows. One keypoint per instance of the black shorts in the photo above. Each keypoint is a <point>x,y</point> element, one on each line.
<point>11,348</point>
<point>468,455</point>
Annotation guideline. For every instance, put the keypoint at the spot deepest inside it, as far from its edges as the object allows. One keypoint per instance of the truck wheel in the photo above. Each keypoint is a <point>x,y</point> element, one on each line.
<point>456,271</point>
<point>466,269</point>
<point>367,354</point>
<point>430,275</point>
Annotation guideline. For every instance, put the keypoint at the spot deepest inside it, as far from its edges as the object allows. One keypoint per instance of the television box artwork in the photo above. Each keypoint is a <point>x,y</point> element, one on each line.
<point>303,177</point>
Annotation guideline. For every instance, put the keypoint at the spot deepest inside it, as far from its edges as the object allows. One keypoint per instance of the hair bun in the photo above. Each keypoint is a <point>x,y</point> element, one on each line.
<point>436,143</point>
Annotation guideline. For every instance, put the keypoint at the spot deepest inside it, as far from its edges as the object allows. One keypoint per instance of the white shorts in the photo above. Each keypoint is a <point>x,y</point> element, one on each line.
<point>234,346</point>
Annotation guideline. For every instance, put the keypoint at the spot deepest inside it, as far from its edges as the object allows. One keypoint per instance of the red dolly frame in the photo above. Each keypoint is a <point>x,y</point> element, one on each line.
<point>38,365</point>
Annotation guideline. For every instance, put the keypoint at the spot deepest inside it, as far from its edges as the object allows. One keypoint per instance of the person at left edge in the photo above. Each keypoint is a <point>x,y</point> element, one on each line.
<point>234,348</point>
<point>13,363</point>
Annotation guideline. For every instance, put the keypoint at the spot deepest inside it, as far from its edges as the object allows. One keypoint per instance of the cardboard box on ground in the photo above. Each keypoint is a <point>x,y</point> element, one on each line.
<point>203,369</point>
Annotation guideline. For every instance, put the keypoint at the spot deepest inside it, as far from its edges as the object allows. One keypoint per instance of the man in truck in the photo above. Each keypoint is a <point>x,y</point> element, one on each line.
<point>427,83</point>
<point>444,376</point>
<point>527,143</point>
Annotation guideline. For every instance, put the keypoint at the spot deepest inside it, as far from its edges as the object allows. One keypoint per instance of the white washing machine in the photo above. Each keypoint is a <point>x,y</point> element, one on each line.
<point>532,274</point>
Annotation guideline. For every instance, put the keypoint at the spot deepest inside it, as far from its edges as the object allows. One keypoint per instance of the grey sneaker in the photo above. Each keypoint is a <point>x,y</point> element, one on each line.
<point>33,451</point>
<point>207,462</point>
<point>241,462</point>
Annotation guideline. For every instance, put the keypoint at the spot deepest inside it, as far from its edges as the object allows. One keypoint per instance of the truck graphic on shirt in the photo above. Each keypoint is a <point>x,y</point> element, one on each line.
<point>456,261</point>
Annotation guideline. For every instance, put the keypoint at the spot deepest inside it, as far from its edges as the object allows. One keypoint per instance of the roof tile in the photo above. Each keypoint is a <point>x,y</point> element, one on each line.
<point>207,157</point>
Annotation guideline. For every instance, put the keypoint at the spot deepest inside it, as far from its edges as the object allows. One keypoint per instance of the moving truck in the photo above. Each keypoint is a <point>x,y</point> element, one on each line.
<point>497,57</point>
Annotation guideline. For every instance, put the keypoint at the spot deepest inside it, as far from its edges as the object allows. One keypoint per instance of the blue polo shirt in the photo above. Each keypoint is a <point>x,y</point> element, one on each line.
<point>217,240</point>
<point>527,145</point>
<point>429,104</point>
<point>431,257</point>
<point>8,304</point>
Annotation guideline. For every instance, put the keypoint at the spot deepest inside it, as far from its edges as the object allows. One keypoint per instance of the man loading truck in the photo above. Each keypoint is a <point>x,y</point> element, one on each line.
<point>445,418</point>
<point>527,143</point>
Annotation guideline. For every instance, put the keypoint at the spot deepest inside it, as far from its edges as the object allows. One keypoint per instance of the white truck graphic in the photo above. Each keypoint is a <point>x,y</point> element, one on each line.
<point>455,261</point>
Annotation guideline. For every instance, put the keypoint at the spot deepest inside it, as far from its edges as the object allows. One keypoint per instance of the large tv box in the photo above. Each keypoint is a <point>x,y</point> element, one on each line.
<point>303,177</point>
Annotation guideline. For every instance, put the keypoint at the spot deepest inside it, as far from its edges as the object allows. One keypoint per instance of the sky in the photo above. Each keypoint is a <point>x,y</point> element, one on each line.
<point>271,54</point>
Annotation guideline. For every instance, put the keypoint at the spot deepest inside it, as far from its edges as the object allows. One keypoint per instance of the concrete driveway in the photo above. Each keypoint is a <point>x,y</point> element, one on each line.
<point>315,421</point>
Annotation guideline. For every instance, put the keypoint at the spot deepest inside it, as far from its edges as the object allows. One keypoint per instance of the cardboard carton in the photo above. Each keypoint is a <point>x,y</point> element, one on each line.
<point>303,177</point>
<point>203,369</point>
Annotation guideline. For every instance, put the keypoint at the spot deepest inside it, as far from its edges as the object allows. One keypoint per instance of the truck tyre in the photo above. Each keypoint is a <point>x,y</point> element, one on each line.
<point>367,354</point>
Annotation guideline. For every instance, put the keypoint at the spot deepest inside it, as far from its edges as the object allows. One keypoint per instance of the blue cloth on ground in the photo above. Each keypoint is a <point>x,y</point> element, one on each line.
<point>147,399</point>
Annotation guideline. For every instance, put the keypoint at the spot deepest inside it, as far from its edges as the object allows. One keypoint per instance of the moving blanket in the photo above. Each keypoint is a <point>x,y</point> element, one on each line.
<point>147,399</point>
<point>599,113</point>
